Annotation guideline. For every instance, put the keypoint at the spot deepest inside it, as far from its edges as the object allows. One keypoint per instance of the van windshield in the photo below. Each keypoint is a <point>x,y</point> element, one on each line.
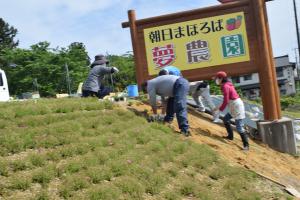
<point>1,80</point>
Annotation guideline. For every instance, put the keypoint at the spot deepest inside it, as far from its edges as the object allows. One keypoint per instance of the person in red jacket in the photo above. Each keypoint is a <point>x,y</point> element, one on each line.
<point>236,108</point>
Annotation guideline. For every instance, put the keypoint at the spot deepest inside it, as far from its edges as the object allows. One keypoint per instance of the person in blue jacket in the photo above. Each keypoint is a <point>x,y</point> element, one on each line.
<point>170,70</point>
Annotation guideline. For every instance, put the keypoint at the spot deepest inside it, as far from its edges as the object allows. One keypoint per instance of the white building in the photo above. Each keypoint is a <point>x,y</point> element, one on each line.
<point>286,74</point>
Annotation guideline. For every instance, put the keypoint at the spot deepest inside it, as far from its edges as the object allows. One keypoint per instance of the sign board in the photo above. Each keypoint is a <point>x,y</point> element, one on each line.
<point>200,43</point>
<point>233,37</point>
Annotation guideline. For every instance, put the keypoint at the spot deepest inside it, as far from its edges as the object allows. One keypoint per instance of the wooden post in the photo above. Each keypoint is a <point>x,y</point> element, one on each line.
<point>135,45</point>
<point>277,92</point>
<point>266,68</point>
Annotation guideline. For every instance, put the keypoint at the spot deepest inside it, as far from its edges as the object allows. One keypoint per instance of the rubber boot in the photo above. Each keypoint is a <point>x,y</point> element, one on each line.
<point>244,138</point>
<point>229,131</point>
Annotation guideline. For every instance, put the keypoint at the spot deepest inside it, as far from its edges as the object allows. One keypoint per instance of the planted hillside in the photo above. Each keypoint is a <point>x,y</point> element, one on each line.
<point>86,149</point>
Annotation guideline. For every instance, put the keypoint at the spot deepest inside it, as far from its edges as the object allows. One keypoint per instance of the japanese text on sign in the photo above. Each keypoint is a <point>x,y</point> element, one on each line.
<point>197,43</point>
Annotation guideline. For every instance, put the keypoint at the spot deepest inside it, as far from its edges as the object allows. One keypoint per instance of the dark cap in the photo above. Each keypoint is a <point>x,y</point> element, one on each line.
<point>101,59</point>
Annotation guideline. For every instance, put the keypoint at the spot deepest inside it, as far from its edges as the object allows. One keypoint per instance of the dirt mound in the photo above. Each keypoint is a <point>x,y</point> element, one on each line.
<point>279,167</point>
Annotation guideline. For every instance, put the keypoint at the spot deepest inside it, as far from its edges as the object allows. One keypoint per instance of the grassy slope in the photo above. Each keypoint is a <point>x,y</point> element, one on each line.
<point>291,114</point>
<point>288,101</point>
<point>83,149</point>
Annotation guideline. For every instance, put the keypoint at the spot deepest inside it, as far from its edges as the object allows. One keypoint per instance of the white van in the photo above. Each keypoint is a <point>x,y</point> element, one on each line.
<point>4,93</point>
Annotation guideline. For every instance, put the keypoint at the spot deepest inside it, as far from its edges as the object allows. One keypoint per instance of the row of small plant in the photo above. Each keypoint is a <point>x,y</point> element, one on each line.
<point>131,172</point>
<point>54,132</point>
<point>47,106</point>
<point>113,154</point>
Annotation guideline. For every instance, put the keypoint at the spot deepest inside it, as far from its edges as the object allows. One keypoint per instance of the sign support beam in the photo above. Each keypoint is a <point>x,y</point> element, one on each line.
<point>265,63</point>
<point>135,45</point>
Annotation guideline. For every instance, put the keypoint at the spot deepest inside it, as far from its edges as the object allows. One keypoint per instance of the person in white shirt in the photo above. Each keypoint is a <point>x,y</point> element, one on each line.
<point>202,91</point>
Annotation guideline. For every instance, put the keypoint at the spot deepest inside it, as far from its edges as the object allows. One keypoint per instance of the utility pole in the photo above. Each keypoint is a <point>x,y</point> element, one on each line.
<point>68,78</point>
<point>35,85</point>
<point>297,62</point>
<point>111,77</point>
<point>297,27</point>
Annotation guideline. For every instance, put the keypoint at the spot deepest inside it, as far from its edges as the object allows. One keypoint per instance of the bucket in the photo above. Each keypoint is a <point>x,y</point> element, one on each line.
<point>132,90</point>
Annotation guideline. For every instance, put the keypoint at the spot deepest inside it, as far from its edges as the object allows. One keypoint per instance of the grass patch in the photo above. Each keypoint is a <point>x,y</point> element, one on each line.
<point>156,183</point>
<point>44,176</point>
<point>19,165</point>
<point>188,188</point>
<point>74,166</point>
<point>37,160</point>
<point>19,183</point>
<point>98,174</point>
<point>104,192</point>
<point>3,168</point>
<point>71,184</point>
<point>93,150</point>
<point>43,195</point>
<point>130,187</point>
<point>171,195</point>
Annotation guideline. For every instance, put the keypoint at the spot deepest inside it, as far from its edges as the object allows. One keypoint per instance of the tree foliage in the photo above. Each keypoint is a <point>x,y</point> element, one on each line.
<point>47,66</point>
<point>126,76</point>
<point>43,68</point>
<point>7,35</point>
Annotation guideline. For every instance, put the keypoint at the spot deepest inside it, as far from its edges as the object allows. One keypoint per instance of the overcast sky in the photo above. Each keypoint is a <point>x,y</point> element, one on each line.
<point>97,23</point>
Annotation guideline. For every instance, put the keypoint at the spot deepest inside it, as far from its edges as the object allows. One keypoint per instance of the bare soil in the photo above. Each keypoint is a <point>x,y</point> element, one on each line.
<point>281,168</point>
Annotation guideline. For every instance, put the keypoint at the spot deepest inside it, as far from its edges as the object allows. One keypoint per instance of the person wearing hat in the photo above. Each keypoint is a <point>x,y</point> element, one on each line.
<point>93,86</point>
<point>236,108</point>
<point>170,86</point>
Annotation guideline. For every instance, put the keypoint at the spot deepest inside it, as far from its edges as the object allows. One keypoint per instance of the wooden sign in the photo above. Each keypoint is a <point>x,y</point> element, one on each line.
<point>232,37</point>
<point>200,43</point>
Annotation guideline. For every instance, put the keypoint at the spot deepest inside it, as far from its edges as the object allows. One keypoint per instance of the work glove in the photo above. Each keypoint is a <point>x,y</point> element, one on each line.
<point>160,117</point>
<point>152,118</point>
<point>116,70</point>
<point>156,118</point>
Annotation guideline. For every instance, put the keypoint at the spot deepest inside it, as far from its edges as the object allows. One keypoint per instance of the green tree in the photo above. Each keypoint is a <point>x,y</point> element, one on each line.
<point>7,35</point>
<point>77,59</point>
<point>126,76</point>
<point>47,65</point>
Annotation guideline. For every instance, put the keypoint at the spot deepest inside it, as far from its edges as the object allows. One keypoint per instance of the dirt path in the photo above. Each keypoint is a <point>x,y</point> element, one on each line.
<point>279,167</point>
